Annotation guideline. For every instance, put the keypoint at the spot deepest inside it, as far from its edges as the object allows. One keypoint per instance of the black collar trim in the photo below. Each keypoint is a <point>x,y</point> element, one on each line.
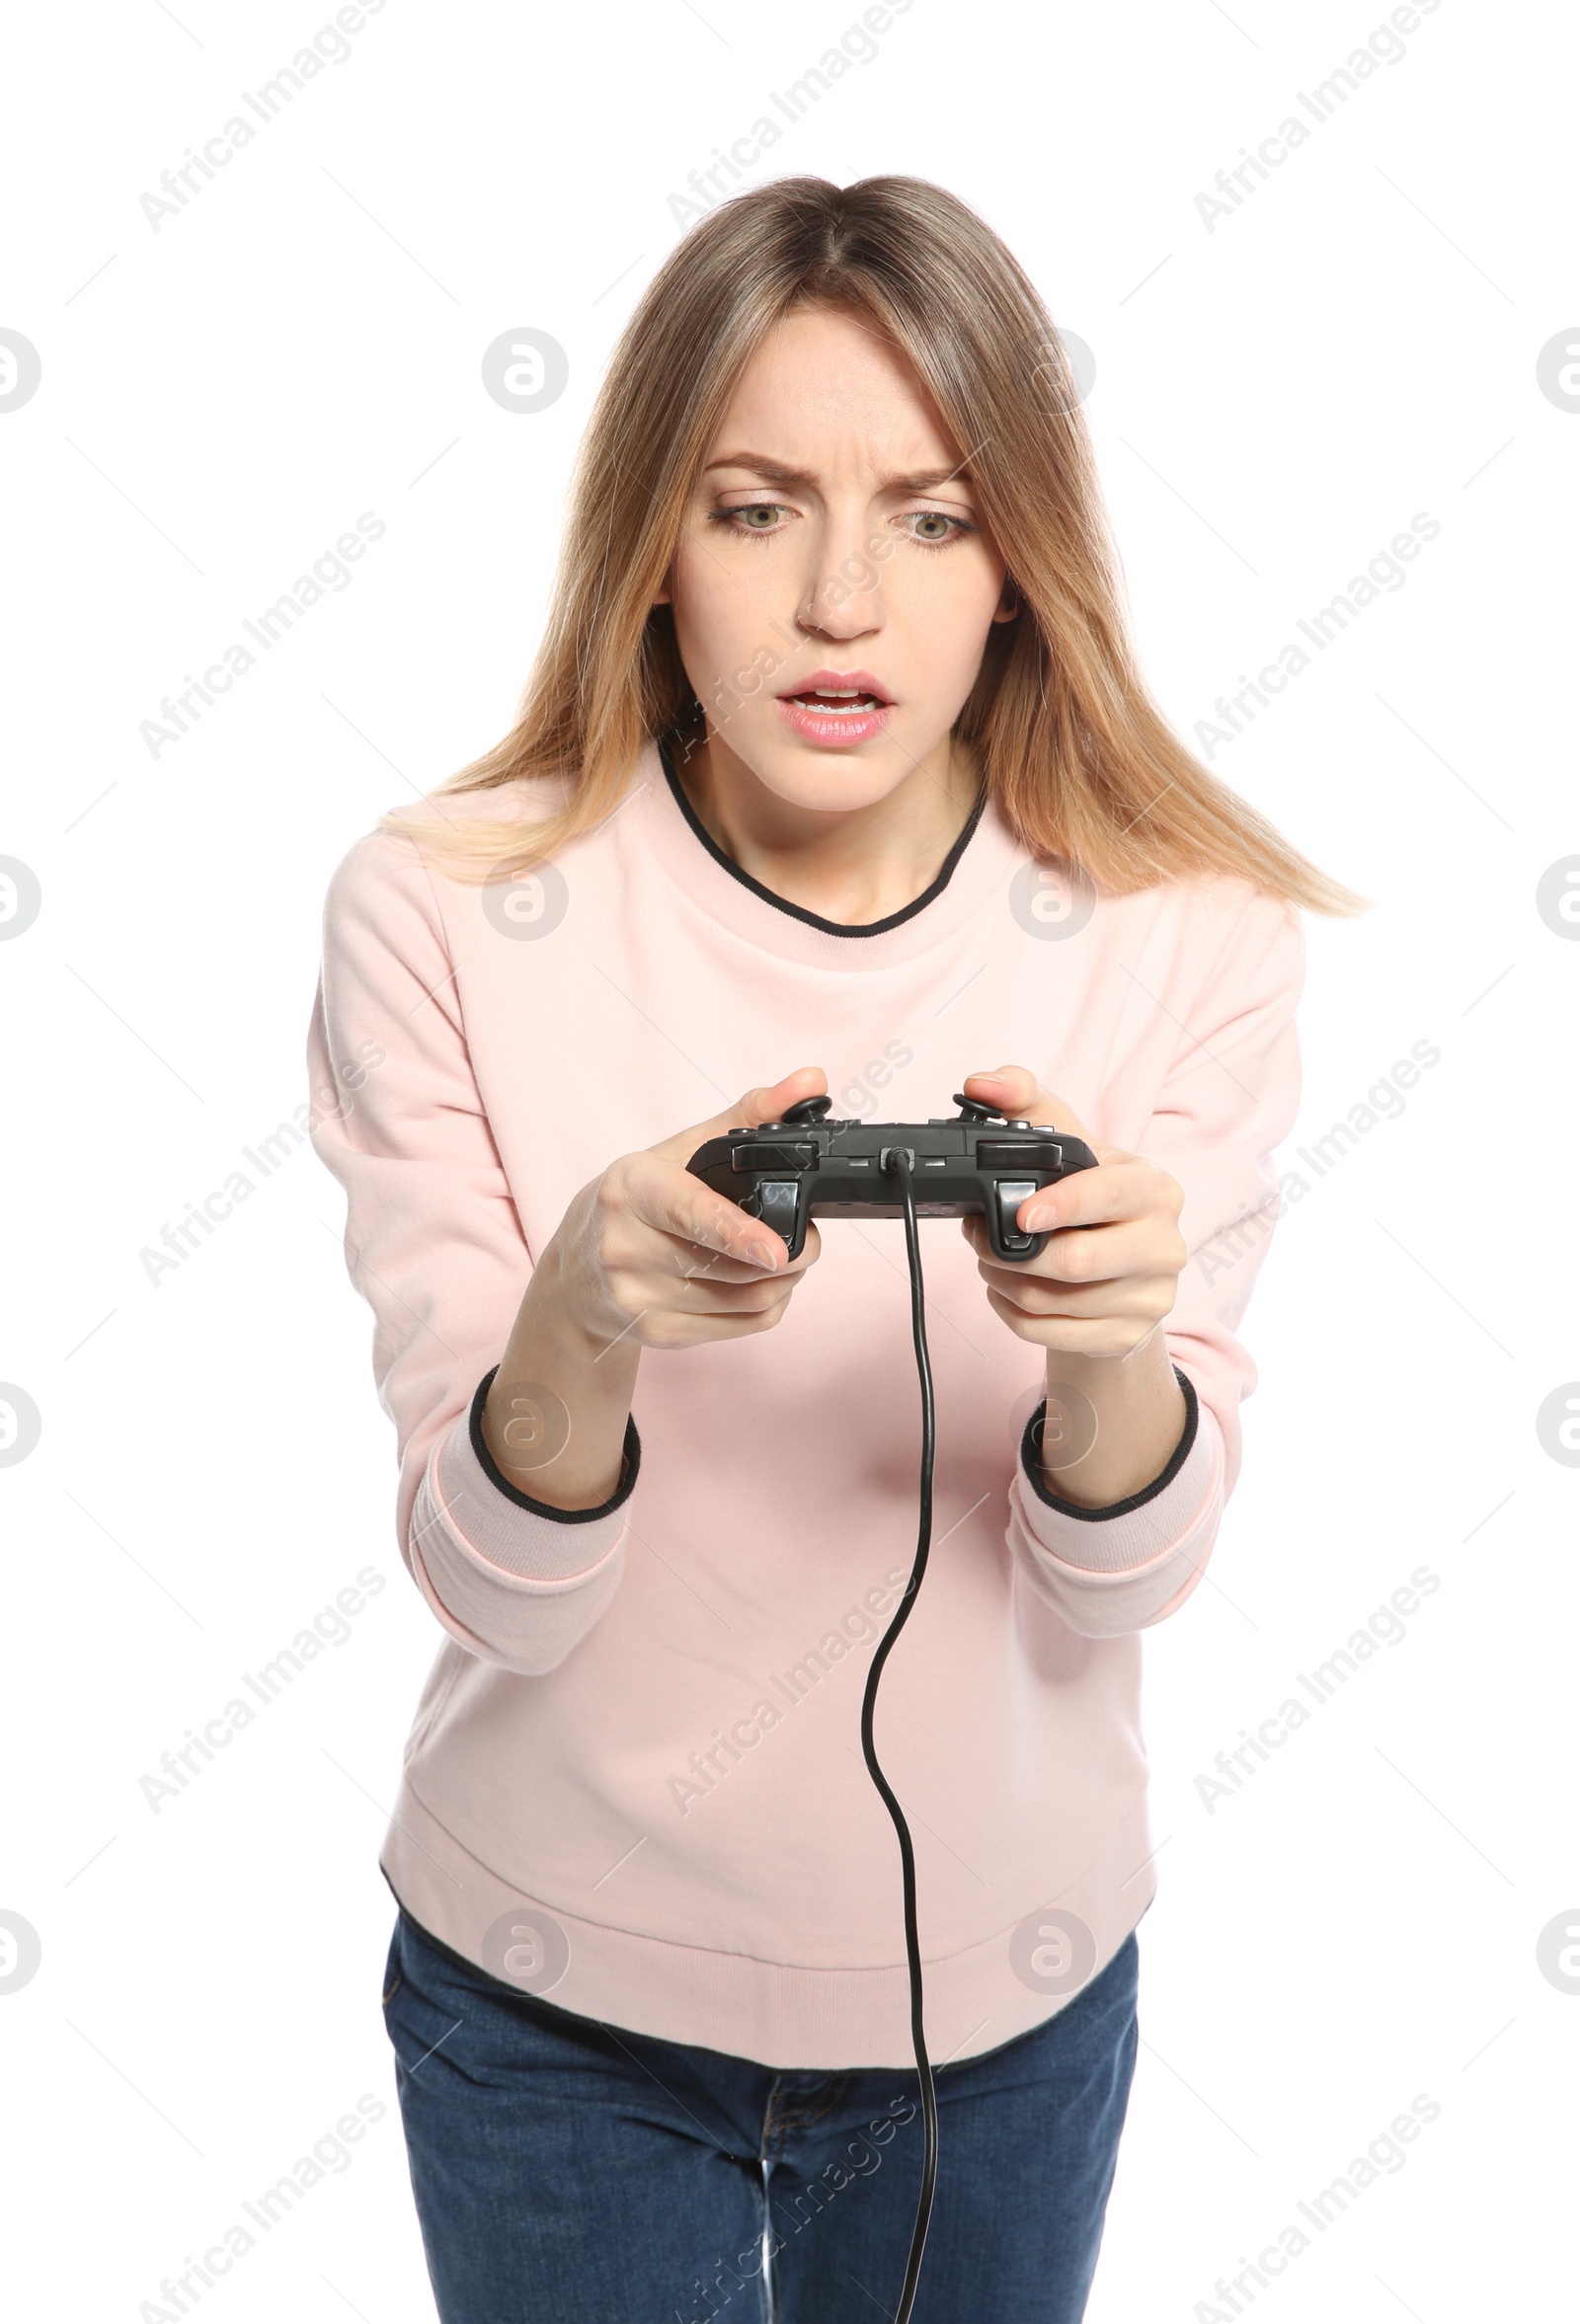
<point>798,912</point>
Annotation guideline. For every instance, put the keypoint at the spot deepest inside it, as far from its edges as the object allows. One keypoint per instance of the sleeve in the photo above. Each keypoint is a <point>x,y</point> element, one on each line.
<point>435,1245</point>
<point>1230,1098</point>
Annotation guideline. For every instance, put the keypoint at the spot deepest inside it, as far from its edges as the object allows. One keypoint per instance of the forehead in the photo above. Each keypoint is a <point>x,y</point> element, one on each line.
<point>828,391</point>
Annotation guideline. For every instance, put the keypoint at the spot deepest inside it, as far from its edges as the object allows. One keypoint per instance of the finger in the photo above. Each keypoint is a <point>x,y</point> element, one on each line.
<point>692,1262</point>
<point>756,1106</point>
<point>1038,1296</point>
<point>1077,1335</point>
<point>1126,1187</point>
<point>694,1211</point>
<point>704,1294</point>
<point>1015,1092</point>
<point>662,1194</point>
<point>1092,1254</point>
<point>1084,1204</point>
<point>695,1330</point>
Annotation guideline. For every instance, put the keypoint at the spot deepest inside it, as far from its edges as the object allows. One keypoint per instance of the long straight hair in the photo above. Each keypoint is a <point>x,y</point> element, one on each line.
<point>1060,724</point>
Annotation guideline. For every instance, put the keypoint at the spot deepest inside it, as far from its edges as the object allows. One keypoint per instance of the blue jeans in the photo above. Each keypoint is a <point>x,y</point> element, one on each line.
<point>571,2171</point>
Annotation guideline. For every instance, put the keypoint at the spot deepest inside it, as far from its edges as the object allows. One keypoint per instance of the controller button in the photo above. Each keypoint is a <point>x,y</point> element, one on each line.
<point>774,1203</point>
<point>773,1157</point>
<point>1001,1154</point>
<point>1010,1194</point>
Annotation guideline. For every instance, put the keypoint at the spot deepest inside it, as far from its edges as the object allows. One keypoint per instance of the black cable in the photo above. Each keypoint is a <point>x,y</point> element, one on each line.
<point>897,1161</point>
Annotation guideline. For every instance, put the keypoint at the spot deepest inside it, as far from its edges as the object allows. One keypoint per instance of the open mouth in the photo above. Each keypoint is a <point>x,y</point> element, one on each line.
<point>841,695</point>
<point>846,703</point>
<point>836,709</point>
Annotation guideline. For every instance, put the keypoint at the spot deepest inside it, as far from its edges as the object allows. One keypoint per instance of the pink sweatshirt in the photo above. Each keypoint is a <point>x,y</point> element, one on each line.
<point>636,1761</point>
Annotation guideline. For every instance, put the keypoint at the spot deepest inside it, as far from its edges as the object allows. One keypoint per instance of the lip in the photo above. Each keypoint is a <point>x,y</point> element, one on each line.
<point>836,729</point>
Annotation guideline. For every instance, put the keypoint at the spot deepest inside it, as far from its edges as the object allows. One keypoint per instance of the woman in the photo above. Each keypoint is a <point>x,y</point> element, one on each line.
<point>834,775</point>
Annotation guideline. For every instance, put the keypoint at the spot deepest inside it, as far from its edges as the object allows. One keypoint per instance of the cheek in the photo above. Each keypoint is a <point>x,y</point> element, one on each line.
<point>941,607</point>
<point>721,603</point>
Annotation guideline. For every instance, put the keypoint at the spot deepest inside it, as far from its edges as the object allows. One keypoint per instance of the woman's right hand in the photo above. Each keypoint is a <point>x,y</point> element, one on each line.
<point>645,1256</point>
<point>647,1252</point>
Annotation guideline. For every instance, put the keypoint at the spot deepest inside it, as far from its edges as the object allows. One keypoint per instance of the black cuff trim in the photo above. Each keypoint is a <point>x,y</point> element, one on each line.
<point>545,1509</point>
<point>1031,1444</point>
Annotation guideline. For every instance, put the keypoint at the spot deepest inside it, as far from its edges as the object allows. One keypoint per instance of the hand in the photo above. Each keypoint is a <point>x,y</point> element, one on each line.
<point>1109,1272</point>
<point>645,1254</point>
<point>1106,1279</point>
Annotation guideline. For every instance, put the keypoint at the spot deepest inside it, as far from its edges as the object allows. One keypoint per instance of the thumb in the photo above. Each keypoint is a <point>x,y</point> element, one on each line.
<point>1015,1092</point>
<point>756,1106</point>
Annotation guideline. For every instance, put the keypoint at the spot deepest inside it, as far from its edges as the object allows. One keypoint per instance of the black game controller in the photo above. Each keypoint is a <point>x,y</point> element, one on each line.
<point>804,1167</point>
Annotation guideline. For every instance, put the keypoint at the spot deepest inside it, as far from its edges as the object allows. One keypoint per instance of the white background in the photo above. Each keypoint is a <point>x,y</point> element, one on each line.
<point>1274,399</point>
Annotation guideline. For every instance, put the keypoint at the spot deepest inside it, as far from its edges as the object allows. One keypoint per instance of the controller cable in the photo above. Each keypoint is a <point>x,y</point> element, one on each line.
<point>897,1161</point>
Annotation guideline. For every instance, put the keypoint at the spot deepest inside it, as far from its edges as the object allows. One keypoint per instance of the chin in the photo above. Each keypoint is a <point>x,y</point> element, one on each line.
<point>830,781</point>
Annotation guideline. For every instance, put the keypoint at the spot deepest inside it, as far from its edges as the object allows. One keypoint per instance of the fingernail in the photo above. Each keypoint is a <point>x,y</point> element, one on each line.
<point>1037,1220</point>
<point>762,1255</point>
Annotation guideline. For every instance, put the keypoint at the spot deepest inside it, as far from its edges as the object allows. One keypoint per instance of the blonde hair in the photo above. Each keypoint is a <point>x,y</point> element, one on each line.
<point>1058,721</point>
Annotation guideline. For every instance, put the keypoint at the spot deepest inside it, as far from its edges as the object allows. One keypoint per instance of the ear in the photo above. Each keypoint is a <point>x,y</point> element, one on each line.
<point>1008,601</point>
<point>662,594</point>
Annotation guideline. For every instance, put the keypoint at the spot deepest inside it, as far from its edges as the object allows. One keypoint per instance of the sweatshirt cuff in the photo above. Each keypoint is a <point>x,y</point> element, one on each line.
<point>630,1463</point>
<point>1146,1527</point>
<point>1031,1447</point>
<point>471,1525</point>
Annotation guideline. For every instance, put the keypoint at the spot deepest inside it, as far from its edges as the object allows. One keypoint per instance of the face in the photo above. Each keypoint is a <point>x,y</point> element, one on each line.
<point>833,586</point>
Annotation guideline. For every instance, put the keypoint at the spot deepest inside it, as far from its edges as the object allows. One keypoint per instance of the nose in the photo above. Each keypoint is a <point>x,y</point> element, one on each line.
<point>844,598</point>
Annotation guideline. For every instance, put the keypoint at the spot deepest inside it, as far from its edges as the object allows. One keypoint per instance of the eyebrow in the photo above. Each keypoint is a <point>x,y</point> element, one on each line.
<point>921,480</point>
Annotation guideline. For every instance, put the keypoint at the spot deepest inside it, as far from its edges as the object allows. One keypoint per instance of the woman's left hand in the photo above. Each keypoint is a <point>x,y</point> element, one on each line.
<point>1110,1270</point>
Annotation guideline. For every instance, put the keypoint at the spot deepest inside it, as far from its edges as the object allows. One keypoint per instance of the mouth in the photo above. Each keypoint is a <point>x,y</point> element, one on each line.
<point>832,696</point>
<point>833,706</point>
<point>839,701</point>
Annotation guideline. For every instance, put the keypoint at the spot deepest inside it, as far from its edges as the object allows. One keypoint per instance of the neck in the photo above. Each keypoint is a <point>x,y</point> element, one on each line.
<point>850,865</point>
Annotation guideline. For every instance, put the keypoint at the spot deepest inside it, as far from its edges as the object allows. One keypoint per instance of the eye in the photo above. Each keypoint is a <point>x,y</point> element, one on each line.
<point>753,516</point>
<point>933,530</point>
